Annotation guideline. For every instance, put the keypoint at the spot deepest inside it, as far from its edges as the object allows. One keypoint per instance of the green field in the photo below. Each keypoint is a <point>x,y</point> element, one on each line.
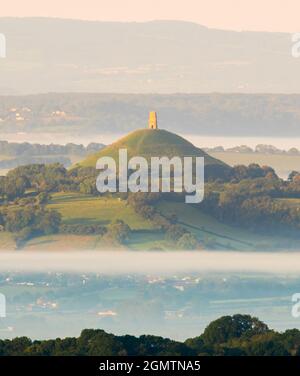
<point>62,242</point>
<point>6,241</point>
<point>78,208</point>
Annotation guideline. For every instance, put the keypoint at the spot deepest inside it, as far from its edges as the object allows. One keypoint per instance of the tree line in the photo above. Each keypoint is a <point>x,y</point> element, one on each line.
<point>237,335</point>
<point>26,149</point>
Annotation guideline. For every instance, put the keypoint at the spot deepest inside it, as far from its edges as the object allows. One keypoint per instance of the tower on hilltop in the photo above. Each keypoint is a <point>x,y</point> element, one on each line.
<point>153,120</point>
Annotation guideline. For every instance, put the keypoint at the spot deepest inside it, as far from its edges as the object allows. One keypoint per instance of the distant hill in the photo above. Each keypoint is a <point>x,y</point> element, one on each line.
<point>149,143</point>
<point>59,55</point>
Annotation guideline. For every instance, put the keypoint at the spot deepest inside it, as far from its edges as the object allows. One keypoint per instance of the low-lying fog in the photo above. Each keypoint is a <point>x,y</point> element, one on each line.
<point>124,262</point>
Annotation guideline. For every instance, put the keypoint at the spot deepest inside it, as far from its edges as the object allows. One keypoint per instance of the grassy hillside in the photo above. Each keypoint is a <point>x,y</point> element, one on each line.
<point>77,208</point>
<point>213,233</point>
<point>7,241</point>
<point>158,143</point>
<point>83,209</point>
<point>149,143</point>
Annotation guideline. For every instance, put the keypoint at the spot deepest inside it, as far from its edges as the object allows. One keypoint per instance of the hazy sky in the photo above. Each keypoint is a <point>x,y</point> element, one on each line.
<point>264,15</point>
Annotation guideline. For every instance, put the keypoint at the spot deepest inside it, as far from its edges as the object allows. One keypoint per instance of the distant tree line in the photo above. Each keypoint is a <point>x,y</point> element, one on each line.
<point>21,154</point>
<point>259,149</point>
<point>26,149</point>
<point>22,161</point>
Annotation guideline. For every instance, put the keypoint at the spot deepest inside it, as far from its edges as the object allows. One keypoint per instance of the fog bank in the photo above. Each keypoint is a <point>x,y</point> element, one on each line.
<point>124,262</point>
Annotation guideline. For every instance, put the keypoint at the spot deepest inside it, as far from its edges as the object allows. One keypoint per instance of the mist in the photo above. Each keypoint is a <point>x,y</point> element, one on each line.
<point>130,262</point>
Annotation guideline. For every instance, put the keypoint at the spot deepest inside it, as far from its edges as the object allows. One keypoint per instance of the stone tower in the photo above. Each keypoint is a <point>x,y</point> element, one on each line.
<point>153,120</point>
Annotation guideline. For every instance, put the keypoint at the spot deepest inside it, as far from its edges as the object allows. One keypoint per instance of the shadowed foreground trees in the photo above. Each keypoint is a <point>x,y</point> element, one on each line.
<point>238,335</point>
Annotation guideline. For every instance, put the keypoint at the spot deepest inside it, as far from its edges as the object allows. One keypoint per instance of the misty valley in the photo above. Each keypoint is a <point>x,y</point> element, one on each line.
<point>177,306</point>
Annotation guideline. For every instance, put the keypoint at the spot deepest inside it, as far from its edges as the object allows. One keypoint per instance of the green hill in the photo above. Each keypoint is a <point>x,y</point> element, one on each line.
<point>158,143</point>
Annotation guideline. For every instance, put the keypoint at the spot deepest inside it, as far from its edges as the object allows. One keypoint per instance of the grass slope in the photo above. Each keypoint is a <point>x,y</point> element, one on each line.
<point>78,208</point>
<point>213,232</point>
<point>149,143</point>
<point>7,241</point>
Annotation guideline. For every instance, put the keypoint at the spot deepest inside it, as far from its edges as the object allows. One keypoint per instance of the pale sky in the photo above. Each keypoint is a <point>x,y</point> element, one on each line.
<point>259,15</point>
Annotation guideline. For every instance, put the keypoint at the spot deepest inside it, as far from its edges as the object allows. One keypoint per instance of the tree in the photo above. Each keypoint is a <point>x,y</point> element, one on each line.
<point>118,232</point>
<point>291,340</point>
<point>15,187</point>
<point>28,220</point>
<point>229,327</point>
<point>292,175</point>
<point>187,241</point>
<point>174,233</point>
<point>88,186</point>
<point>43,198</point>
<point>98,343</point>
<point>48,221</point>
<point>266,347</point>
<point>18,345</point>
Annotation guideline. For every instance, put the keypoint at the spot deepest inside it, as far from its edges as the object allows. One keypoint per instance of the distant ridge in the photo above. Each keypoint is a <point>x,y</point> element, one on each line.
<point>61,55</point>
